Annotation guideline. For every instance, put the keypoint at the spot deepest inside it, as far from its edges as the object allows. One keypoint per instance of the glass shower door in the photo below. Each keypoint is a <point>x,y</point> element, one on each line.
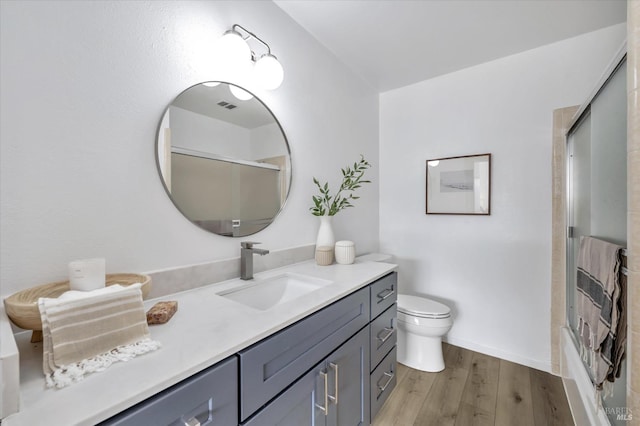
<point>597,192</point>
<point>579,204</point>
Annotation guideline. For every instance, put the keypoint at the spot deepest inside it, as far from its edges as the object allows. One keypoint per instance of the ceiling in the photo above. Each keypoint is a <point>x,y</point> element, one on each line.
<point>394,43</point>
<point>219,102</point>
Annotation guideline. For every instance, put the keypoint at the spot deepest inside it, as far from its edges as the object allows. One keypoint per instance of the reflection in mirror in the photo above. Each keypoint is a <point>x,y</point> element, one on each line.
<point>225,162</point>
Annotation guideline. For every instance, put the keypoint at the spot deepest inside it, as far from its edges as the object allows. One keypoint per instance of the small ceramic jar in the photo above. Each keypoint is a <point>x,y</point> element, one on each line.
<point>324,255</point>
<point>345,252</point>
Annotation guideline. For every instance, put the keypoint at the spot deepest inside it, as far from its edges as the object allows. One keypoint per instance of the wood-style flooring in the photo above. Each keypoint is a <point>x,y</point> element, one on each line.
<point>475,389</point>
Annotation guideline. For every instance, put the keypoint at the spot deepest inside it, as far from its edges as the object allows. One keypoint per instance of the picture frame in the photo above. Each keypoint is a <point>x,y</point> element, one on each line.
<point>459,185</point>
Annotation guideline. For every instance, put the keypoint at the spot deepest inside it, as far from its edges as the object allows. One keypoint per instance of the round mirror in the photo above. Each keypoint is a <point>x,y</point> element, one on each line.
<point>224,159</point>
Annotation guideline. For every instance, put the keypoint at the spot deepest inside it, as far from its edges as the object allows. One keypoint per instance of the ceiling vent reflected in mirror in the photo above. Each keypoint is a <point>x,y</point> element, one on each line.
<point>227,105</point>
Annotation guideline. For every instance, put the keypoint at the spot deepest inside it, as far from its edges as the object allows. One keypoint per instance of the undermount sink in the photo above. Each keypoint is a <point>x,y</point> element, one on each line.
<point>265,293</point>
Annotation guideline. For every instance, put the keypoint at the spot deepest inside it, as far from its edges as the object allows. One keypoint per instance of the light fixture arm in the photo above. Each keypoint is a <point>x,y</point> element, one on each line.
<point>251,35</point>
<point>265,68</point>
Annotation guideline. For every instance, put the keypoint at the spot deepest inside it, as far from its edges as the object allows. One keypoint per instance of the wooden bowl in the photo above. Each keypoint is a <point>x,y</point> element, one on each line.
<point>22,307</point>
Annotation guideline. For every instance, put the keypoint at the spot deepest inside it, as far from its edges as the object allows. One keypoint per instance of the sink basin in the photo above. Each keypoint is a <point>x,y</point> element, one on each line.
<point>265,293</point>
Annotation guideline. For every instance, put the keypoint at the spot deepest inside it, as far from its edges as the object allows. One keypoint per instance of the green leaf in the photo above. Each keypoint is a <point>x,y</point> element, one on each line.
<point>351,180</point>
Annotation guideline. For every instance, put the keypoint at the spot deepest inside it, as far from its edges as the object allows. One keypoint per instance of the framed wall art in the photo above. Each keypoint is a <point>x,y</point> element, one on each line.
<point>459,185</point>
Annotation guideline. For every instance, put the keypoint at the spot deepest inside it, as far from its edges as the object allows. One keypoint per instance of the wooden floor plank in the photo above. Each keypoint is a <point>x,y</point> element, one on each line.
<point>401,372</point>
<point>514,396</point>
<point>550,406</point>
<point>441,406</point>
<point>456,357</point>
<point>475,390</point>
<point>469,415</point>
<point>481,389</point>
<point>404,403</point>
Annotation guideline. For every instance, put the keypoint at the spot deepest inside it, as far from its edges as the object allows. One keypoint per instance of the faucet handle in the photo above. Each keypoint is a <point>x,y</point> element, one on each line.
<point>248,244</point>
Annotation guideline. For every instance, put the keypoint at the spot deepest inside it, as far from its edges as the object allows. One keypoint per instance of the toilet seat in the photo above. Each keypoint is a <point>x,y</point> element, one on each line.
<point>421,307</point>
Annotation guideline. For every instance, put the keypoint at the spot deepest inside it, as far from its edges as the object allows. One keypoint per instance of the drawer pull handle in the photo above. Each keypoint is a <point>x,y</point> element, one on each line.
<point>386,293</point>
<point>192,422</point>
<point>325,409</point>
<point>385,333</point>
<point>334,397</point>
<point>389,377</point>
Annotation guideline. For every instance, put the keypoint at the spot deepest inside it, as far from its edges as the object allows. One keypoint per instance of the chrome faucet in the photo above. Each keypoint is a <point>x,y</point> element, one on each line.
<point>246,258</point>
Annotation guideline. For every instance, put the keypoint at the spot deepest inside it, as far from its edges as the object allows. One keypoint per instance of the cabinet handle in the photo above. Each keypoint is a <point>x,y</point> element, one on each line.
<point>385,333</point>
<point>389,377</point>
<point>325,409</point>
<point>384,294</point>
<point>192,422</point>
<point>334,398</point>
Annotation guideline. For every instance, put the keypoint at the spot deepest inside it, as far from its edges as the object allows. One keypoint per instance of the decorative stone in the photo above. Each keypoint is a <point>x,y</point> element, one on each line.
<point>161,312</point>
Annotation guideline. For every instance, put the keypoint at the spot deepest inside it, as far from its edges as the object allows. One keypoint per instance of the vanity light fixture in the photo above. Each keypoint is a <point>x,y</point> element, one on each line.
<point>265,69</point>
<point>240,94</point>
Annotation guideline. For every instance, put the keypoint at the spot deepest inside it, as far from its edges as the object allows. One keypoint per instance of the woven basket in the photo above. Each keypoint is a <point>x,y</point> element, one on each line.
<point>22,307</point>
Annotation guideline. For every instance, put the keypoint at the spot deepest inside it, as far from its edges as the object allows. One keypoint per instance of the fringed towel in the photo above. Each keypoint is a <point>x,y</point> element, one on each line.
<point>86,332</point>
<point>600,316</point>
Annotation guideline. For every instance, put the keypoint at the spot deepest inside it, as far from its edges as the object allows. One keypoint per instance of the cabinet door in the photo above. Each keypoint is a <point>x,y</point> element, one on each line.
<point>208,398</point>
<point>269,366</point>
<point>300,405</point>
<point>334,392</point>
<point>348,382</point>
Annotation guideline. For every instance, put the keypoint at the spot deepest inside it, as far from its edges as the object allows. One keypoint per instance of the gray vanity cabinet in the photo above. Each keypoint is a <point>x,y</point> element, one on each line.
<point>209,398</point>
<point>335,367</point>
<point>333,393</point>
<point>384,328</point>
<point>270,366</point>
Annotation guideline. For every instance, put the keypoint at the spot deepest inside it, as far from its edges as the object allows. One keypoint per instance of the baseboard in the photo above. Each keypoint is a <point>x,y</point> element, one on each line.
<point>498,353</point>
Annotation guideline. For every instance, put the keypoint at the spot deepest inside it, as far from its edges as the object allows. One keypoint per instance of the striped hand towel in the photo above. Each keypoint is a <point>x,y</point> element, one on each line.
<point>597,296</point>
<point>86,332</point>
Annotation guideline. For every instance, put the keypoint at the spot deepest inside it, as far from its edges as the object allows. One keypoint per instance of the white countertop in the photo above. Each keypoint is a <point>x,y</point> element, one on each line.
<point>206,329</point>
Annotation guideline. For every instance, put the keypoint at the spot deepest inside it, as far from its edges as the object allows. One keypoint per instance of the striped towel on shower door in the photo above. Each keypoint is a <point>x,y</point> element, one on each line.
<point>598,292</point>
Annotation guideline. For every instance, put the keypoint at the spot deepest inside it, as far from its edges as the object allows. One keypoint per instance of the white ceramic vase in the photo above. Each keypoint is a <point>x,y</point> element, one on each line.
<point>325,233</point>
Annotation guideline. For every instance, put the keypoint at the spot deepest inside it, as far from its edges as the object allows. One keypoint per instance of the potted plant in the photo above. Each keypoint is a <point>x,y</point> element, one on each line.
<point>326,205</point>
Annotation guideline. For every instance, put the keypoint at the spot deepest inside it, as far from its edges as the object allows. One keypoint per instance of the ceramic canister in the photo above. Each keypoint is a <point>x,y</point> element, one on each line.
<point>324,255</point>
<point>345,252</point>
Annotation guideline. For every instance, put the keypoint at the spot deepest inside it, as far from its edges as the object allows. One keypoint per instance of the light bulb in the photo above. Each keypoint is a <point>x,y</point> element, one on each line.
<point>239,93</point>
<point>268,72</point>
<point>233,48</point>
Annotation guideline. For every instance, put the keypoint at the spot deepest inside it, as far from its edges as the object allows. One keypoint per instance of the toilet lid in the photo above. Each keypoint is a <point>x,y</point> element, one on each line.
<point>422,307</point>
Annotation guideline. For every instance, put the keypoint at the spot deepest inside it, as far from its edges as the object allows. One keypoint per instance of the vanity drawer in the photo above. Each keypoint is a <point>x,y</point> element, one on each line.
<point>383,335</point>
<point>269,366</point>
<point>383,380</point>
<point>384,293</point>
<point>209,398</point>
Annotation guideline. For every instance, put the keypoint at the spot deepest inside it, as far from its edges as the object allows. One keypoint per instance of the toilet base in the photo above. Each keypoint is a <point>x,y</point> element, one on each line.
<point>420,352</point>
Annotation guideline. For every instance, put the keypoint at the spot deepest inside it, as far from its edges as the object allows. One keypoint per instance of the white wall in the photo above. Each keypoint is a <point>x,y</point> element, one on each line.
<point>83,87</point>
<point>494,271</point>
<point>194,131</point>
<point>266,142</point>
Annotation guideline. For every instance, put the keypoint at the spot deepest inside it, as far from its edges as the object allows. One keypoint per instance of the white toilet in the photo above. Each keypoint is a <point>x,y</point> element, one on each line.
<point>421,324</point>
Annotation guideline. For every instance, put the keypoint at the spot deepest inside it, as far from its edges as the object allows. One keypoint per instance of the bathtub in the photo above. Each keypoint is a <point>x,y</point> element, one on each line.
<point>577,385</point>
